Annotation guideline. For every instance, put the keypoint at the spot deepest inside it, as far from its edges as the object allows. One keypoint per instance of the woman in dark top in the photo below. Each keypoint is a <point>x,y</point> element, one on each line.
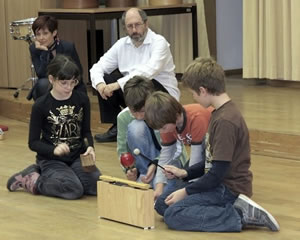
<point>44,48</point>
<point>59,132</point>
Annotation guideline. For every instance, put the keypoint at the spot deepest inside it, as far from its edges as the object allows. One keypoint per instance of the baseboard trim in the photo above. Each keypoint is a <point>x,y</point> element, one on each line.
<point>233,71</point>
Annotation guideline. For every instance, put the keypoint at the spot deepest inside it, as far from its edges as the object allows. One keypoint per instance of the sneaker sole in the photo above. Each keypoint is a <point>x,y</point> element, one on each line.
<point>273,220</point>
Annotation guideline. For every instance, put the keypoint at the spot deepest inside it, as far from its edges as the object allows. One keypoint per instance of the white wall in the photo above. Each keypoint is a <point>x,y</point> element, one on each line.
<point>229,14</point>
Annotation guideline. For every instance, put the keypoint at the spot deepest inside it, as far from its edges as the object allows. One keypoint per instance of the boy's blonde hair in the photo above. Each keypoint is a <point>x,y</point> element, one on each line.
<point>206,73</point>
<point>160,109</point>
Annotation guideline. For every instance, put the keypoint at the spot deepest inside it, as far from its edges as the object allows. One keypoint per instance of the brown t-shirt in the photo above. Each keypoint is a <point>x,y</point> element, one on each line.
<point>228,140</point>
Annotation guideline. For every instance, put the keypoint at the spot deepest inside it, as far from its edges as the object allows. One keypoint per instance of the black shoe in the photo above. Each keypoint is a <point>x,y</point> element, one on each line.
<point>109,136</point>
<point>255,215</point>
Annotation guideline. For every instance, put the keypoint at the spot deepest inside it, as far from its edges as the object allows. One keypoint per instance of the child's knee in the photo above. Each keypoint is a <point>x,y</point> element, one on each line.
<point>136,129</point>
<point>72,191</point>
<point>160,205</point>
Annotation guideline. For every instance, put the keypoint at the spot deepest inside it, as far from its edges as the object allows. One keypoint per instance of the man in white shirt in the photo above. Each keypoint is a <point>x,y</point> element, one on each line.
<point>142,53</point>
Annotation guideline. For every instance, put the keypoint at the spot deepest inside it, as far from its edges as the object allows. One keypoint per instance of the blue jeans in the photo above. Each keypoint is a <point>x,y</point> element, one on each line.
<point>139,136</point>
<point>58,179</point>
<point>210,211</point>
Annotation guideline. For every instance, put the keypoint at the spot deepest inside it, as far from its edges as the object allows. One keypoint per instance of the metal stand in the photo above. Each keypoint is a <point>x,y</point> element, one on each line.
<point>33,77</point>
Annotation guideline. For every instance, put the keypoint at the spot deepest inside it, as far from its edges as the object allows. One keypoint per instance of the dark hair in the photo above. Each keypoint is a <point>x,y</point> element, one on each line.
<point>161,109</point>
<point>63,68</point>
<point>206,73</point>
<point>44,21</point>
<point>142,13</point>
<point>136,91</point>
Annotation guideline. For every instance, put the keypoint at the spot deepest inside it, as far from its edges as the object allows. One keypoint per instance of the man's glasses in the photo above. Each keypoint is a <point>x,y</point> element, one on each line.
<point>134,25</point>
<point>68,83</point>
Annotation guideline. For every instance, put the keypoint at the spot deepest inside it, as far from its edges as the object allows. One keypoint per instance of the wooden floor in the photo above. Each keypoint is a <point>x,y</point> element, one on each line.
<point>269,111</point>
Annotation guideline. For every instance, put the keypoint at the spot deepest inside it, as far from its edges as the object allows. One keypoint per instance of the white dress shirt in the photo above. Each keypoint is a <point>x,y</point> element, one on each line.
<point>152,59</point>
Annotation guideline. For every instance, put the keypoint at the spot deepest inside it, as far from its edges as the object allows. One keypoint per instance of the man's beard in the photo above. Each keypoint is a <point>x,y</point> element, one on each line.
<point>137,37</point>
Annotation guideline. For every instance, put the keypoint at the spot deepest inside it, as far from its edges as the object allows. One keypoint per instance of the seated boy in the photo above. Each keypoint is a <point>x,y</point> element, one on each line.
<point>187,124</point>
<point>217,201</point>
<point>134,133</point>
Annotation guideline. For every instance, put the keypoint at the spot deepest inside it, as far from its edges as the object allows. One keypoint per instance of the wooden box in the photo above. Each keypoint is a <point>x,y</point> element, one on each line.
<point>126,204</point>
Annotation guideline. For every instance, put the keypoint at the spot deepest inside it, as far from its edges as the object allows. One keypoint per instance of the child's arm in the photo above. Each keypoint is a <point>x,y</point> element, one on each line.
<point>35,128</point>
<point>166,157</point>
<point>123,120</point>
<point>209,180</point>
<point>196,154</point>
<point>86,123</point>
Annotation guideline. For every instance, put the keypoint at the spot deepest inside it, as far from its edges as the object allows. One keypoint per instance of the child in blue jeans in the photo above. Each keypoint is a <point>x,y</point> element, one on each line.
<point>134,133</point>
<point>219,200</point>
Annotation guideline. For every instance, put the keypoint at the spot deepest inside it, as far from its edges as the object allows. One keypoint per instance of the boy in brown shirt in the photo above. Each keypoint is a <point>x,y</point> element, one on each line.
<point>218,201</point>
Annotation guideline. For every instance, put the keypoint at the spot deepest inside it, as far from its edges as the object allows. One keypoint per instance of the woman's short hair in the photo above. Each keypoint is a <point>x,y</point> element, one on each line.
<point>44,21</point>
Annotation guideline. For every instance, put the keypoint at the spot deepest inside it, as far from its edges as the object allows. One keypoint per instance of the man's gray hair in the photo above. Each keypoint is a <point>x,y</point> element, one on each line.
<point>140,11</point>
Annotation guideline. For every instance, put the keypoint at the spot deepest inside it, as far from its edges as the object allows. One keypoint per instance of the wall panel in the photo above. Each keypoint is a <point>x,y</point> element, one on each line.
<point>3,55</point>
<point>18,53</point>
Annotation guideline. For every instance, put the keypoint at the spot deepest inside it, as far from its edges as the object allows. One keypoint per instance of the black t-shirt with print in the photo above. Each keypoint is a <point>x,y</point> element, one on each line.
<point>60,121</point>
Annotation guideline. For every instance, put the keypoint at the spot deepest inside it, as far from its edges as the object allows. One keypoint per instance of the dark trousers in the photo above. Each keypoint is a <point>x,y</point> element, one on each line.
<point>110,108</point>
<point>58,179</point>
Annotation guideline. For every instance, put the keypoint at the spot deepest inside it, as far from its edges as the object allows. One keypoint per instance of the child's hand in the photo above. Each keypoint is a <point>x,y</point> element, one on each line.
<point>172,172</point>
<point>90,151</point>
<point>175,196</point>
<point>61,149</point>
<point>150,174</point>
<point>132,174</point>
<point>159,188</point>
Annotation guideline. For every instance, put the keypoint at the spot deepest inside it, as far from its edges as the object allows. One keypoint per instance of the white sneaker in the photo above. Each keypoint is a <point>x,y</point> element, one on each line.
<point>255,215</point>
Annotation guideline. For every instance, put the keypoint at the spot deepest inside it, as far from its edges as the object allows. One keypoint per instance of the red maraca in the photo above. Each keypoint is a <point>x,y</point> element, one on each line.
<point>127,160</point>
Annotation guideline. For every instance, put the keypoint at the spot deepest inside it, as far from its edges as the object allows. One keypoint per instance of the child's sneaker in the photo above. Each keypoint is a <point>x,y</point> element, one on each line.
<point>255,215</point>
<point>25,179</point>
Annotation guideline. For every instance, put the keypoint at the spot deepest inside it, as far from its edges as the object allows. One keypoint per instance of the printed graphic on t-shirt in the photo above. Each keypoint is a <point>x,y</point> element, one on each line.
<point>66,126</point>
<point>186,139</point>
<point>208,154</point>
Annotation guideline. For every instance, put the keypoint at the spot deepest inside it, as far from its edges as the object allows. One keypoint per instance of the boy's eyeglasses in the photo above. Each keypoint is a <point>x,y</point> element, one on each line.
<point>68,83</point>
<point>135,25</point>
